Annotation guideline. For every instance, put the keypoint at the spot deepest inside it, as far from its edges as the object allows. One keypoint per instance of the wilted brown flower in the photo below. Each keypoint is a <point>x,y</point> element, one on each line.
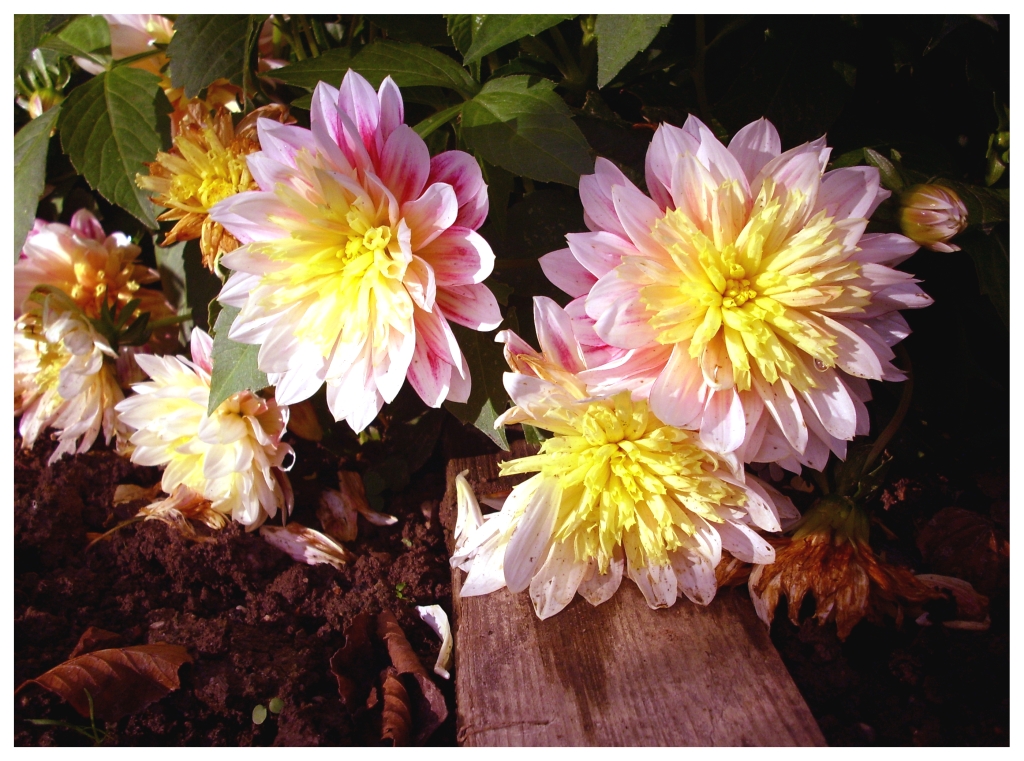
<point>829,556</point>
<point>206,164</point>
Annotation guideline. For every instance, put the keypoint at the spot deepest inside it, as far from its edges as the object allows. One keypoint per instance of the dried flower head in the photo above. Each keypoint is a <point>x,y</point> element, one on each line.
<point>743,298</point>
<point>206,164</point>
<point>358,250</point>
<point>616,491</point>
<point>931,215</point>
<point>64,378</point>
<point>234,457</point>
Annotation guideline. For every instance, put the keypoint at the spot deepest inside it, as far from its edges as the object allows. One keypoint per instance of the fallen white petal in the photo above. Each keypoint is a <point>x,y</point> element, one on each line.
<point>437,619</point>
<point>306,545</point>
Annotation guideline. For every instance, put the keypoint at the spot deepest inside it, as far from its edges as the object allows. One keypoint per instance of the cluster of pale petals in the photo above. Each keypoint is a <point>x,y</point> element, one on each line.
<point>234,458</point>
<point>63,381</point>
<point>88,265</point>
<point>517,546</point>
<point>132,34</point>
<point>823,295</point>
<point>359,250</point>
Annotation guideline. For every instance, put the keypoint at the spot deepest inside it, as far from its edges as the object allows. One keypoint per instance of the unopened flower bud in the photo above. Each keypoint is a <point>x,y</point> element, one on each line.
<point>931,215</point>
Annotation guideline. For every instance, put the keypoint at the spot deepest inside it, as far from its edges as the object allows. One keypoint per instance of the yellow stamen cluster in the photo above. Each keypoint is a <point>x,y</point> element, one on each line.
<point>625,478</point>
<point>745,285</point>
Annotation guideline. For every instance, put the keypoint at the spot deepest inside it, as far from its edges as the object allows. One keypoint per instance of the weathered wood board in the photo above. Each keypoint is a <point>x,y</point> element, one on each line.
<point>619,674</point>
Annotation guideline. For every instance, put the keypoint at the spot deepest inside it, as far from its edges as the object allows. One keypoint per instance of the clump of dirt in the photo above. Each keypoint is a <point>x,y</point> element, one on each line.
<point>258,624</point>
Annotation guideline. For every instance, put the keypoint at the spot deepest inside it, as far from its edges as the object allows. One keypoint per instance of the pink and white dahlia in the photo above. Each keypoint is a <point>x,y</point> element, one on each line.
<point>359,250</point>
<point>616,492</point>
<point>742,298</point>
<point>64,378</point>
<point>234,458</point>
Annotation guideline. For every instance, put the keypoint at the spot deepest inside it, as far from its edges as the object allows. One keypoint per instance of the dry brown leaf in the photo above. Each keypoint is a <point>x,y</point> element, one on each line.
<point>428,702</point>
<point>352,665</point>
<point>964,544</point>
<point>306,545</point>
<point>971,607</point>
<point>731,572</point>
<point>351,485</point>
<point>95,638</point>
<point>121,681</point>
<point>130,492</point>
<point>337,514</point>
<point>396,720</point>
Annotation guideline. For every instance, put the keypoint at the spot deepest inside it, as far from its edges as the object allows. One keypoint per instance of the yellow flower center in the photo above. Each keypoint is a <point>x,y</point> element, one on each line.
<point>748,285</point>
<point>52,360</point>
<point>626,478</point>
<point>209,175</point>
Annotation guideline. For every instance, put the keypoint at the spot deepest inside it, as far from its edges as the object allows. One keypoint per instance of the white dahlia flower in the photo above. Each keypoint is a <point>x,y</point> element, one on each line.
<point>743,298</point>
<point>359,250</point>
<point>234,458</point>
<point>616,491</point>
<point>61,380</point>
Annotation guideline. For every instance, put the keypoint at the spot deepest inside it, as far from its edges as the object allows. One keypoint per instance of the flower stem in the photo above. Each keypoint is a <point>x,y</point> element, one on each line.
<point>901,412</point>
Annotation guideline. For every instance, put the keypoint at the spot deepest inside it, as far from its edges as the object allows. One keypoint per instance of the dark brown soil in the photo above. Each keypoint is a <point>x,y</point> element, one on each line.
<point>258,624</point>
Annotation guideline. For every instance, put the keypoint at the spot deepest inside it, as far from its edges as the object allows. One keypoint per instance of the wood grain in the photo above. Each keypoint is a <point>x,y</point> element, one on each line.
<point>619,674</point>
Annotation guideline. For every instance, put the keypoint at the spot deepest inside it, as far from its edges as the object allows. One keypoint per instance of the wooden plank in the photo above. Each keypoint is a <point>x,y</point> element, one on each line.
<point>619,674</point>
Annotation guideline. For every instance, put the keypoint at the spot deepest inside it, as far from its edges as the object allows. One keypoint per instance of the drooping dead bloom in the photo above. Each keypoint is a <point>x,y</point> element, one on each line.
<point>206,164</point>
<point>829,556</point>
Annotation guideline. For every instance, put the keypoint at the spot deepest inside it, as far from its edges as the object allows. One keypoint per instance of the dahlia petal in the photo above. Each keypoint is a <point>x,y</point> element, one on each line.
<point>855,353</point>
<point>781,402</point>
<point>849,192</point>
<point>405,164</point>
<point>657,582</point>
<point>884,248</point>
<point>248,216</point>
<point>900,296</point>
<point>723,426</point>
<point>717,159</point>
<point>555,583</point>
<point>832,404</point>
<point>471,305</point>
<point>358,100</point>
<point>755,145</point>
<point>621,318</point>
<point>430,214</point>
<point>667,147</point>
<point>676,397</point>
<point>462,172</point>
<point>744,543</point>
<point>815,454</point>
<point>891,327</point>
<point>798,173</point>
<point>596,196</point>
<point>764,507</point>
<point>326,127</point>
<point>487,572</point>
<point>460,386</point>
<point>599,252</point>
<point>201,346</point>
<point>253,328</point>
<point>392,108</point>
<point>566,273</point>
<point>356,399</point>
<point>637,213</point>
<point>280,142</point>
<point>597,588</point>
<point>420,284</point>
<point>554,333</point>
<point>267,172</point>
<point>528,547</point>
<point>390,375</point>
<point>429,375</point>
<point>459,256</point>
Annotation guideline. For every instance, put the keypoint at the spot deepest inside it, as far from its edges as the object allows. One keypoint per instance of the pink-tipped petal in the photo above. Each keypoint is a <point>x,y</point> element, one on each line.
<point>677,396</point>
<point>621,318</point>
<point>849,192</point>
<point>668,146</point>
<point>359,101</point>
<point>202,349</point>
<point>884,248</point>
<point>281,142</point>
<point>471,305</point>
<point>392,108</point>
<point>459,256</point>
<point>429,375</point>
<point>430,214</point>
<point>405,164</point>
<point>562,269</point>
<point>554,333</point>
<point>462,172</point>
<point>326,126</point>
<point>755,145</point>
<point>637,213</point>
<point>599,252</point>
<point>248,216</point>
<point>596,195</point>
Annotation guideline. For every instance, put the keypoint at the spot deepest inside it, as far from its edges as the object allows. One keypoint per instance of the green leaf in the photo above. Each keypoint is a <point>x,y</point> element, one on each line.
<point>85,37</point>
<point>413,27</point>
<point>521,125</point>
<point>991,256</point>
<point>330,67</point>
<point>619,38</point>
<point>30,146</point>
<point>434,121</point>
<point>110,126</point>
<point>28,29</point>
<point>234,364</point>
<point>412,65</point>
<point>493,31</point>
<point>188,285</point>
<point>460,29</point>
<point>535,436</point>
<point>205,48</point>
<point>890,173</point>
<point>487,399</point>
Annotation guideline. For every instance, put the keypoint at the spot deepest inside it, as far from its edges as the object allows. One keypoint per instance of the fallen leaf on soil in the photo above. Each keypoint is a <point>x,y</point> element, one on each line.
<point>731,572</point>
<point>351,484</point>
<point>437,619</point>
<point>353,664</point>
<point>306,545</point>
<point>121,681</point>
<point>966,545</point>
<point>130,492</point>
<point>971,607</point>
<point>427,700</point>
<point>337,515</point>
<point>95,638</point>
<point>396,720</point>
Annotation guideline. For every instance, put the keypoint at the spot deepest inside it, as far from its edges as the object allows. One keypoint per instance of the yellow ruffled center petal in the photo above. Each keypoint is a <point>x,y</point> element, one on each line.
<point>623,473</point>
